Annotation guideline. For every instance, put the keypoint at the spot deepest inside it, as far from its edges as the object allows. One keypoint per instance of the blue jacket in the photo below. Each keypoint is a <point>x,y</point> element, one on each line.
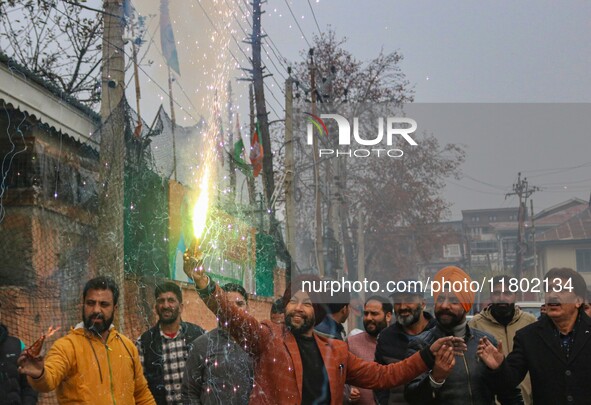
<point>330,328</point>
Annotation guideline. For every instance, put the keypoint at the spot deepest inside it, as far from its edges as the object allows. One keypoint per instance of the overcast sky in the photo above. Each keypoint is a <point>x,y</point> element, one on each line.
<point>454,52</point>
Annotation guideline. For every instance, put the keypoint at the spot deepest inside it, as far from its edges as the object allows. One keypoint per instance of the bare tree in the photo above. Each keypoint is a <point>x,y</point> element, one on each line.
<point>58,41</point>
<point>400,199</point>
<point>341,77</point>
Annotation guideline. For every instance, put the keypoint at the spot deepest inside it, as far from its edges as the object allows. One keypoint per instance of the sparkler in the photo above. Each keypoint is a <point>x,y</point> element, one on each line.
<point>200,213</point>
<point>35,350</point>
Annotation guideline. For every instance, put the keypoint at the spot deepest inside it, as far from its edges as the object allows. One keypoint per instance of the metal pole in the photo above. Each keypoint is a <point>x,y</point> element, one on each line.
<point>289,172</point>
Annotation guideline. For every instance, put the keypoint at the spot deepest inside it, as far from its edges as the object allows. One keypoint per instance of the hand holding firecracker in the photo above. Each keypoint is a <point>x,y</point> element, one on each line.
<point>194,268</point>
<point>30,361</point>
<point>34,351</point>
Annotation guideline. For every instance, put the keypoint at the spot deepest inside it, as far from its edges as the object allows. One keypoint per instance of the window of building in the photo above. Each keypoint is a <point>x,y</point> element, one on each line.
<point>451,251</point>
<point>584,260</point>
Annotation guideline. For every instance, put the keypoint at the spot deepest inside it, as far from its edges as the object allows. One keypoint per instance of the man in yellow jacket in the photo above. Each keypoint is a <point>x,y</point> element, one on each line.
<point>93,364</point>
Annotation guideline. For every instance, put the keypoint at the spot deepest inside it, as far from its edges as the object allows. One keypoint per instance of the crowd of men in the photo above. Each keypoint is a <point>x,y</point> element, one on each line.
<point>301,355</point>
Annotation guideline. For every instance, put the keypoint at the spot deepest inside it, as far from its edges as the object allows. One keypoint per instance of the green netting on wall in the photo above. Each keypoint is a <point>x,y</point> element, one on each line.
<point>265,264</point>
<point>146,223</point>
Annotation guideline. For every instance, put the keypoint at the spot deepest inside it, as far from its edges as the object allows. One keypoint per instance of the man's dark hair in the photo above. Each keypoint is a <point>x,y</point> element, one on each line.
<point>577,281</point>
<point>102,283</point>
<point>278,307</point>
<point>233,287</point>
<point>386,304</point>
<point>168,286</point>
<point>339,300</point>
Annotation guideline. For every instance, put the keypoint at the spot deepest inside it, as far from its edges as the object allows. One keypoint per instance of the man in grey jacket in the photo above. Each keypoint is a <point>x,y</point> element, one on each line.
<point>218,370</point>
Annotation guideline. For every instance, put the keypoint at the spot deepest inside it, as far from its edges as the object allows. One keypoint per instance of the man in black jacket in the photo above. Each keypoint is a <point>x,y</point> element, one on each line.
<point>14,388</point>
<point>392,345</point>
<point>556,350</point>
<point>165,348</point>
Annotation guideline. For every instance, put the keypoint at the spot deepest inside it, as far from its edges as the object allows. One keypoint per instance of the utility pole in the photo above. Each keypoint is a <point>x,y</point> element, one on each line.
<point>533,241</point>
<point>289,171</point>
<point>263,121</point>
<point>261,107</point>
<point>138,95</point>
<point>319,250</point>
<point>250,179</point>
<point>109,247</point>
<point>232,165</point>
<point>173,122</point>
<point>522,190</point>
<point>361,251</point>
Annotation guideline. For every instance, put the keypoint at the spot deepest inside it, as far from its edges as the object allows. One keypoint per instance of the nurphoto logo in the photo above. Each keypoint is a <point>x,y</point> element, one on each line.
<point>348,145</point>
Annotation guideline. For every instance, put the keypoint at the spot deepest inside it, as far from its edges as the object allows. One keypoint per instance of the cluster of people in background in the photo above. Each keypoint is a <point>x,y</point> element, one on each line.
<point>301,355</point>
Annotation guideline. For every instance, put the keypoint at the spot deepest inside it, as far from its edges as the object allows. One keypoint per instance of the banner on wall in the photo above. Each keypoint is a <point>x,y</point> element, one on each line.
<point>229,244</point>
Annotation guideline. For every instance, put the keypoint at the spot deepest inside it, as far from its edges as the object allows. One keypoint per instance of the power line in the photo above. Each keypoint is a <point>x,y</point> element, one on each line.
<point>271,42</point>
<point>298,24</point>
<point>86,7</point>
<point>13,9</point>
<point>495,186</point>
<point>236,59</point>
<point>315,20</point>
<point>557,170</point>
<point>282,63</point>
<point>268,56</point>
<point>276,69</point>
<point>473,189</point>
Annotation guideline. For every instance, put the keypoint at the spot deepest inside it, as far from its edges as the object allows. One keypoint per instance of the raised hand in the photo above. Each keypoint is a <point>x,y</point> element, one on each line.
<point>457,343</point>
<point>194,269</point>
<point>491,356</point>
<point>31,366</point>
<point>444,363</point>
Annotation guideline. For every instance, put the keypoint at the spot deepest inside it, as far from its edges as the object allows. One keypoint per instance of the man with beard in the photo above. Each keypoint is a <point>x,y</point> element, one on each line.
<point>556,350</point>
<point>466,382</point>
<point>219,371</point>
<point>392,343</point>
<point>93,364</point>
<point>165,347</point>
<point>377,313</point>
<point>503,319</point>
<point>293,364</point>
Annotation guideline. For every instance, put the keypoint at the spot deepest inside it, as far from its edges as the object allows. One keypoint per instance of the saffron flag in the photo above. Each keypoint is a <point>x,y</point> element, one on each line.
<point>167,38</point>
<point>256,152</point>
